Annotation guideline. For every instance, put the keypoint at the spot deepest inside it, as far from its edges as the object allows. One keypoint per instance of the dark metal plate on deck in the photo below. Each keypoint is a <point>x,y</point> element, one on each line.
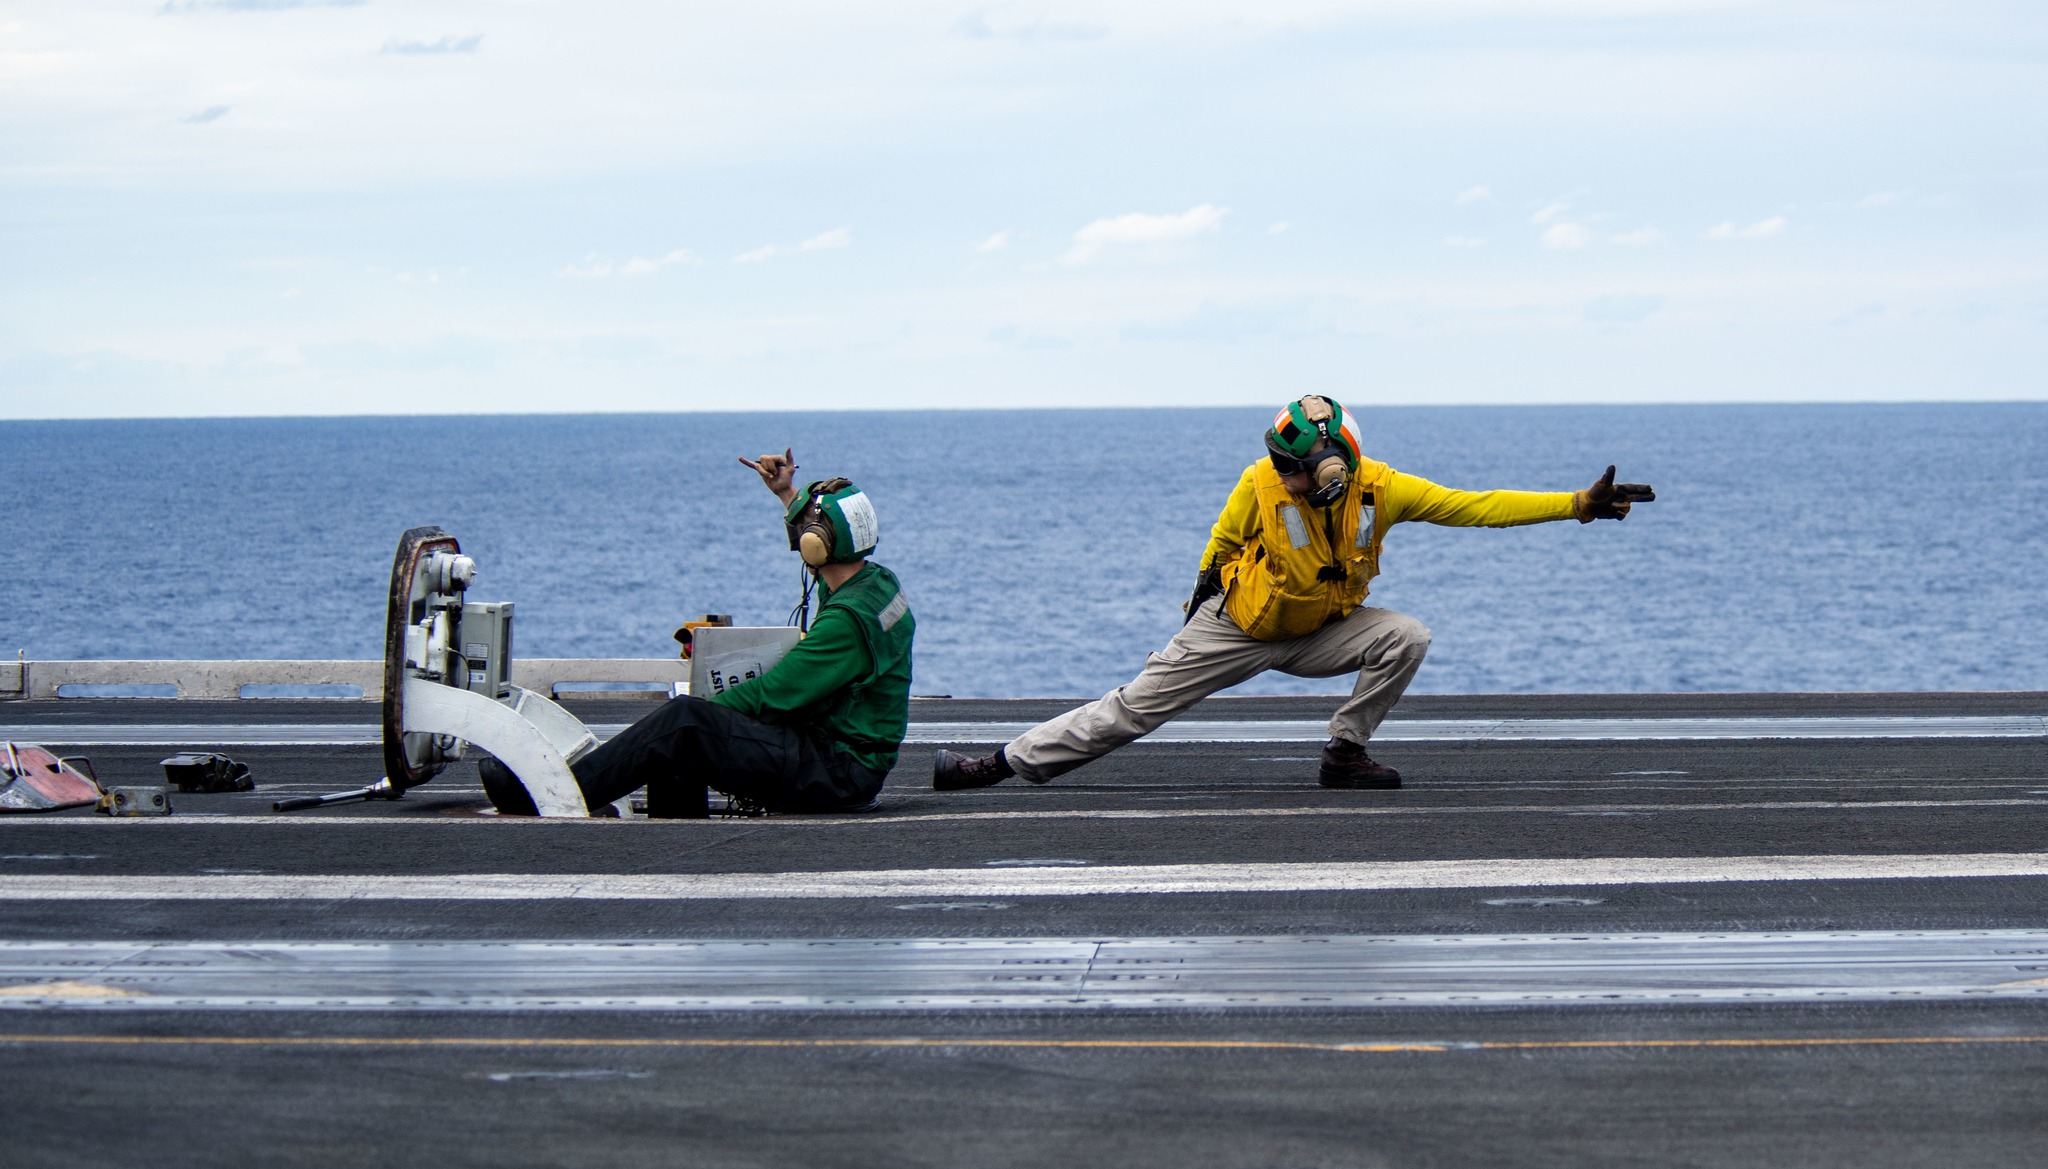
<point>413,547</point>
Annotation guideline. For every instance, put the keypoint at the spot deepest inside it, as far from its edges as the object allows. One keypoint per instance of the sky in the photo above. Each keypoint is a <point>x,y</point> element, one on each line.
<point>277,207</point>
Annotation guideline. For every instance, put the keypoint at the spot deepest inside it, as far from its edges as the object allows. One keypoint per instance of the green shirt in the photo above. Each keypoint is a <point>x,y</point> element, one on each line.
<point>849,677</point>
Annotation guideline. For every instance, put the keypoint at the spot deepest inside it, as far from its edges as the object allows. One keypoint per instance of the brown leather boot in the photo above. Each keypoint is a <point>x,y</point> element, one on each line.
<point>952,771</point>
<point>1345,764</point>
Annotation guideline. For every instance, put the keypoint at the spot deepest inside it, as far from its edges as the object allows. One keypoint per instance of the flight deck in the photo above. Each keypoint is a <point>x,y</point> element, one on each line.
<point>1708,929</point>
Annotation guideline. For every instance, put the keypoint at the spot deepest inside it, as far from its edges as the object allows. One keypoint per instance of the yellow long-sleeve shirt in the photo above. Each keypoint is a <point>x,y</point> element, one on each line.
<point>1398,499</point>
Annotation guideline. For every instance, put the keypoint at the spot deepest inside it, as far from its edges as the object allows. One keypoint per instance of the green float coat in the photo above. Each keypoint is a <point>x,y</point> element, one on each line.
<point>850,675</point>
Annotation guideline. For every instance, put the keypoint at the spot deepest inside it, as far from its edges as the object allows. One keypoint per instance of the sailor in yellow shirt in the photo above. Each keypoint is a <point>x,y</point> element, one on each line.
<point>1282,587</point>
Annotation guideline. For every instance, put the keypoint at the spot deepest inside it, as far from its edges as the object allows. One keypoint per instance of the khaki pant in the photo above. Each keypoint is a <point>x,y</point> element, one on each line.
<point>1211,653</point>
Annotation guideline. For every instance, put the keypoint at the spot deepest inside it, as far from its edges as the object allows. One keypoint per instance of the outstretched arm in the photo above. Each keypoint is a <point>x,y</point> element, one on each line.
<point>1411,497</point>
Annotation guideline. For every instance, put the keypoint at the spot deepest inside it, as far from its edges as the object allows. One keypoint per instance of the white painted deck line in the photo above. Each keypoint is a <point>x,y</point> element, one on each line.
<point>1025,973</point>
<point>1188,731</point>
<point>884,818</point>
<point>1342,876</point>
<point>1541,729</point>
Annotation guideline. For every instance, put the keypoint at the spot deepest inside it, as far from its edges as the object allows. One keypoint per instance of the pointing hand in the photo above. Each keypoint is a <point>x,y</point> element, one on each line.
<point>1608,500</point>
<point>776,472</point>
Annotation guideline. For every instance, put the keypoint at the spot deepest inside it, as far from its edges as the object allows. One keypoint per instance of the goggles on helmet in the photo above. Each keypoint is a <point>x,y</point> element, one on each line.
<point>1288,464</point>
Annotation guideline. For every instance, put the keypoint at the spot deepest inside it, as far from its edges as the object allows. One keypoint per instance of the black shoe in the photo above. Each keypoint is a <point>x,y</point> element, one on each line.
<point>952,771</point>
<point>503,788</point>
<point>1346,765</point>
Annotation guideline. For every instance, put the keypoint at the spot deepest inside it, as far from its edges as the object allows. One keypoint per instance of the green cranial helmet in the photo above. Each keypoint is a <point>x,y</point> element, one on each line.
<point>1306,424</point>
<point>831,522</point>
<point>1312,436</point>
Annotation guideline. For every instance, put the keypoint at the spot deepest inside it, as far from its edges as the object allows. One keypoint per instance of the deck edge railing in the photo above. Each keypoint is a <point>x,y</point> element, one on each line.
<point>29,679</point>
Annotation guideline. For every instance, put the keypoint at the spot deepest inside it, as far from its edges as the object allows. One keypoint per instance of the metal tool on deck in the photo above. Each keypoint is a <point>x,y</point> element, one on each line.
<point>447,665</point>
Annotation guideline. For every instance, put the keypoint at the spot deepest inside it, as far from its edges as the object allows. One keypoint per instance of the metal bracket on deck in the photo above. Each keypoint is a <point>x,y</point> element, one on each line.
<point>530,735</point>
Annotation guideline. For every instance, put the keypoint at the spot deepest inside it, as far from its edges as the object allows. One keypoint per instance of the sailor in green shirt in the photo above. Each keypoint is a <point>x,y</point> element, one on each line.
<point>819,730</point>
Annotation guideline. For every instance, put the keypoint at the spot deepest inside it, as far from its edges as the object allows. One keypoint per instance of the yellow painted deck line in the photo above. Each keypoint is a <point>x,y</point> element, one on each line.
<point>544,1042</point>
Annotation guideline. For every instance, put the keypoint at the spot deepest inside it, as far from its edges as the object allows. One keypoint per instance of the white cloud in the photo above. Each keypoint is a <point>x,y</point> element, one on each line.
<point>593,267</point>
<point>1761,229</point>
<point>1279,228</point>
<point>1471,195</point>
<point>209,114</point>
<point>1881,198</point>
<point>1566,236</point>
<point>641,266</point>
<point>1462,241</point>
<point>596,267</point>
<point>1549,213</point>
<point>1154,236</point>
<point>449,44</point>
<point>994,243</point>
<point>824,241</point>
<point>1640,237</point>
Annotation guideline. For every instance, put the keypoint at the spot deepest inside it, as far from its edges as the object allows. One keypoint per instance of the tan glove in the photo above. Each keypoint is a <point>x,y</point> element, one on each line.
<point>1608,500</point>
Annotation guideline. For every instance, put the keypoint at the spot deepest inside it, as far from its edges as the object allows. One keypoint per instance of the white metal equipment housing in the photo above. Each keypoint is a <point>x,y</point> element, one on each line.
<point>447,665</point>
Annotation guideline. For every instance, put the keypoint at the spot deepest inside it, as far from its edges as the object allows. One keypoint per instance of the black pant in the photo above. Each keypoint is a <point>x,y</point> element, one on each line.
<point>690,743</point>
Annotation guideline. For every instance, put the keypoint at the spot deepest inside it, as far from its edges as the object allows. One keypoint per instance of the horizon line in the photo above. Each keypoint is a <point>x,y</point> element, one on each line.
<point>1013,409</point>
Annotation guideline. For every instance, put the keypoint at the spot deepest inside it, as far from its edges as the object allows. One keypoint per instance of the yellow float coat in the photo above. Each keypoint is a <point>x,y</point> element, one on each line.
<point>1271,545</point>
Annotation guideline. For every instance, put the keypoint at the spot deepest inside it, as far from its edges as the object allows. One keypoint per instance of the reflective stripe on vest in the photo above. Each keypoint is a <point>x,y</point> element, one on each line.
<point>1297,529</point>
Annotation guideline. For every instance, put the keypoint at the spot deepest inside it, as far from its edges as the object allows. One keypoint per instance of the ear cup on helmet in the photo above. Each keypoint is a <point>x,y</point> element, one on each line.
<point>1330,473</point>
<point>815,545</point>
<point>832,522</point>
<point>1332,478</point>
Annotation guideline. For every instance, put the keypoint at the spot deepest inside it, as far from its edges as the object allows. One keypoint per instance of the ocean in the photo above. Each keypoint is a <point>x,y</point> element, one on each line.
<point>1799,547</point>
